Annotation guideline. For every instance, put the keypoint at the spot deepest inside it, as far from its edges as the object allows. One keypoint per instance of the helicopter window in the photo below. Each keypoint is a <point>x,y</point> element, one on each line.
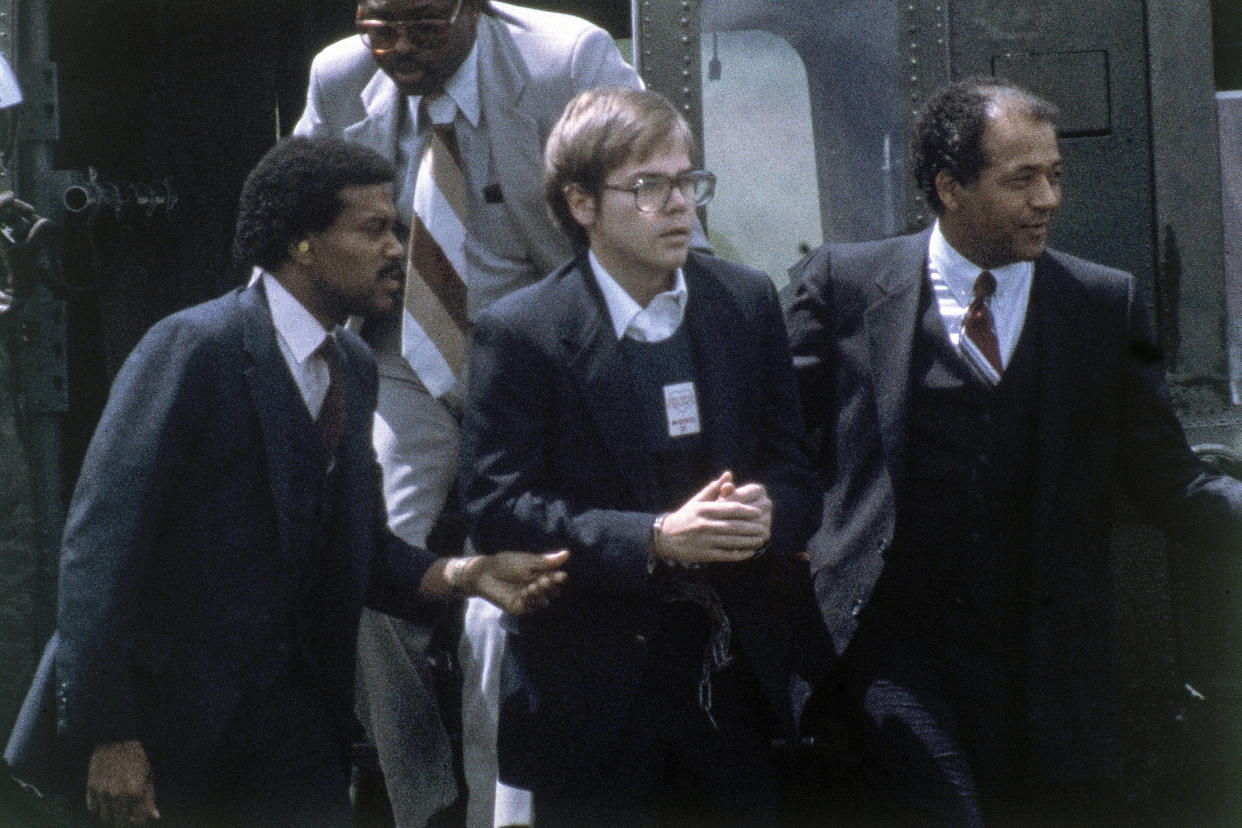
<point>758,140</point>
<point>802,126</point>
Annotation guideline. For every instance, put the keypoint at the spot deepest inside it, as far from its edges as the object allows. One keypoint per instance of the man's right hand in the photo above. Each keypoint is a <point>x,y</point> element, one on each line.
<point>118,784</point>
<point>517,582</point>
<point>714,527</point>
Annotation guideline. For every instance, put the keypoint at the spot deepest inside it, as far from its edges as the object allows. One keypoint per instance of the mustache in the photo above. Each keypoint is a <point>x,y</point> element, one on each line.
<point>407,63</point>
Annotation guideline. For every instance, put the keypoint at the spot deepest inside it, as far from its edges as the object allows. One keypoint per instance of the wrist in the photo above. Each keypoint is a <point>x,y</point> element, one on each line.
<point>459,572</point>
<point>655,544</point>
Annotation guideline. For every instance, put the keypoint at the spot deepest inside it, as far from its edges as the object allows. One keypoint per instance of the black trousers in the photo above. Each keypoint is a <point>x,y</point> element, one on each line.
<point>939,721</point>
<point>671,764</point>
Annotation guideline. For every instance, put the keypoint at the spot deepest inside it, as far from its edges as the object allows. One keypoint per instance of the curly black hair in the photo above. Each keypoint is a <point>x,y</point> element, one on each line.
<point>295,190</point>
<point>949,131</point>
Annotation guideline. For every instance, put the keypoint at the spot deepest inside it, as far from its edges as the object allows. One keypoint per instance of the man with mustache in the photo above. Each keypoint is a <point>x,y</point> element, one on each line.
<point>497,77</point>
<point>228,526</point>
<point>978,401</point>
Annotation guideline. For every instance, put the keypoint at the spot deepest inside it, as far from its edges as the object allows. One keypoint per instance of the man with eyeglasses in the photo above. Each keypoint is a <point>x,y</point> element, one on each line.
<point>638,406</point>
<point>499,76</point>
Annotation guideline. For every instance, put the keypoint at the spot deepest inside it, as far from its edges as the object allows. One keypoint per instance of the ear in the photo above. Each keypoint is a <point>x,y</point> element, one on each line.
<point>948,189</point>
<point>581,205</point>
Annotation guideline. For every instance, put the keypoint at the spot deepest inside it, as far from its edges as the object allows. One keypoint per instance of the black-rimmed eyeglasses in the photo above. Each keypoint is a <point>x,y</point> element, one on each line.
<point>652,192</point>
<point>384,35</point>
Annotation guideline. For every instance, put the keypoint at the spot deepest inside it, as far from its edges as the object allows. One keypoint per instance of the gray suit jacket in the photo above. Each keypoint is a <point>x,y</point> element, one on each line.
<point>1104,423</point>
<point>531,63</point>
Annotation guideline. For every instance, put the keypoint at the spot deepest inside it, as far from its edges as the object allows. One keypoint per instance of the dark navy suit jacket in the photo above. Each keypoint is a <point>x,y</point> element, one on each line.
<point>553,456</point>
<point>1104,422</point>
<point>189,528</point>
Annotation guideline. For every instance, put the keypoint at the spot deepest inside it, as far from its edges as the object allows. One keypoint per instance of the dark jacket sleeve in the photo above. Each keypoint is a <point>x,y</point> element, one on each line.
<point>151,417</point>
<point>396,573</point>
<point>397,568</point>
<point>785,469</point>
<point>505,471</point>
<point>1158,472</point>
<point>809,321</point>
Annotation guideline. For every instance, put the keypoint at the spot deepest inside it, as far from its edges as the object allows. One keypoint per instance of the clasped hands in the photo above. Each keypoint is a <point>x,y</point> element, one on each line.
<point>721,523</point>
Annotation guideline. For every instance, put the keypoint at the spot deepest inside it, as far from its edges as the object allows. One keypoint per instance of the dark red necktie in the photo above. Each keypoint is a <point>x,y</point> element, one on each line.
<point>331,420</point>
<point>978,324</point>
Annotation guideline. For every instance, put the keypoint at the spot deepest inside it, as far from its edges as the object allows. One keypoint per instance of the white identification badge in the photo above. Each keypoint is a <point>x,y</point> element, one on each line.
<point>681,406</point>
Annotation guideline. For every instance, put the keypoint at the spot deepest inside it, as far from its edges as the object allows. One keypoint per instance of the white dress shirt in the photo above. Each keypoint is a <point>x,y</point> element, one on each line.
<point>299,335</point>
<point>461,95</point>
<point>654,323</point>
<point>953,276</point>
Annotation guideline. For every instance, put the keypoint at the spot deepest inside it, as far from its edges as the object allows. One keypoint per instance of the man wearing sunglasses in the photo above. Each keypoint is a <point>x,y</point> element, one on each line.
<point>639,407</point>
<point>499,75</point>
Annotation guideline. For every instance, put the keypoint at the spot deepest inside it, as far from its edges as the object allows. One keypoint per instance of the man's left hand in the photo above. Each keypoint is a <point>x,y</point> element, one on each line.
<point>754,494</point>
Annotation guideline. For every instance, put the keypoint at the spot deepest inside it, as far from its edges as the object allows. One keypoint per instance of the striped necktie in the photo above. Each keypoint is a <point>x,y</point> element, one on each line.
<point>435,290</point>
<point>978,325</point>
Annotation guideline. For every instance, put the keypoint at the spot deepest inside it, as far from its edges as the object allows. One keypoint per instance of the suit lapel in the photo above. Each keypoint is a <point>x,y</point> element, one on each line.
<point>712,324</point>
<point>1056,299</point>
<point>515,140</point>
<point>597,366</point>
<point>378,130</point>
<point>891,322</point>
<point>503,80</point>
<point>283,420</point>
<point>356,465</point>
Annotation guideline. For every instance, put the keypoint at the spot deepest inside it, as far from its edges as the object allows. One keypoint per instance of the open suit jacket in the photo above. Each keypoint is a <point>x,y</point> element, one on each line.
<point>190,526</point>
<point>552,457</point>
<point>531,63</point>
<point>1103,420</point>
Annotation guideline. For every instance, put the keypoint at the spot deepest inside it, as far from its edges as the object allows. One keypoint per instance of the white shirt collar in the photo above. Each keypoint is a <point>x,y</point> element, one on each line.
<point>654,323</point>
<point>461,94</point>
<point>959,273</point>
<point>301,332</point>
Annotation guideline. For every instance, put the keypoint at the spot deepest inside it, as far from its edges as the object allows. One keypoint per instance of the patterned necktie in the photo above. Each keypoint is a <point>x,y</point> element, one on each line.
<point>435,291</point>
<point>330,423</point>
<point>977,324</point>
